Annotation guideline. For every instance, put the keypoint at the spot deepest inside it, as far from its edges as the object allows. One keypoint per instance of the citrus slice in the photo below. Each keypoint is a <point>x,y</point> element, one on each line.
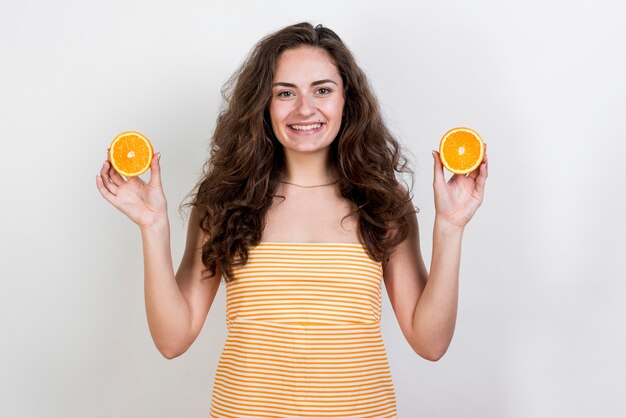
<point>461,150</point>
<point>130,153</point>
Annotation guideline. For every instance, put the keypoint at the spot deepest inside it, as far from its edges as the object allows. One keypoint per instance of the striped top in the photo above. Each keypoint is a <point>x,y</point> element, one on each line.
<point>306,283</point>
<point>304,336</point>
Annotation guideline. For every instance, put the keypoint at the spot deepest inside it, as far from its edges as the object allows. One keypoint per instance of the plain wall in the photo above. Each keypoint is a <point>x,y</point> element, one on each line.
<point>540,330</point>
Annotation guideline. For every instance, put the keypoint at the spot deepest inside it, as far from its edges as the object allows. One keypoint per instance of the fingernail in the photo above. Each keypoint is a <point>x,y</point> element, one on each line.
<point>159,155</point>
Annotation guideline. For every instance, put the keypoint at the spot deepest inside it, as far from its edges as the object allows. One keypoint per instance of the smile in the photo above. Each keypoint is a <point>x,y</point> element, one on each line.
<point>314,127</point>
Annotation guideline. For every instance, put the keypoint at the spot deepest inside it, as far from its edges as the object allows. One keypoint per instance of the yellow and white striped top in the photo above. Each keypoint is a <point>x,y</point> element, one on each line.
<point>304,336</point>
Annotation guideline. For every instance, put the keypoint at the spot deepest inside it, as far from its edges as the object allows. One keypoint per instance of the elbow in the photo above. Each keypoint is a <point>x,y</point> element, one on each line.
<point>171,352</point>
<point>172,344</point>
<point>432,356</point>
<point>430,353</point>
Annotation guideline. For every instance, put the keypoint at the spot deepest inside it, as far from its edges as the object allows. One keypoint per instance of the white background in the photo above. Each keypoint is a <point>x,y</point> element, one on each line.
<point>540,331</point>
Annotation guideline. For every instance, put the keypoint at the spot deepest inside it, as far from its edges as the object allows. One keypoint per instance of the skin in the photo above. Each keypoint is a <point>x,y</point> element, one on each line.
<point>307,89</point>
<point>425,303</point>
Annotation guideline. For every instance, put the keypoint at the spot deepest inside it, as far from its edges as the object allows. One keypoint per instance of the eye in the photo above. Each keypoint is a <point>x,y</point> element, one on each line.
<point>324,90</point>
<point>284,94</point>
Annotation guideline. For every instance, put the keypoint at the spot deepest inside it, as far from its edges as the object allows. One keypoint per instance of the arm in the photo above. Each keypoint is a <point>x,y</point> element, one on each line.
<point>176,304</point>
<point>426,304</point>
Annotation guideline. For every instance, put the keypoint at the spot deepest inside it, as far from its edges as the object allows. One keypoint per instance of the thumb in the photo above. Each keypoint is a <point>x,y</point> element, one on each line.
<point>155,171</point>
<point>439,178</point>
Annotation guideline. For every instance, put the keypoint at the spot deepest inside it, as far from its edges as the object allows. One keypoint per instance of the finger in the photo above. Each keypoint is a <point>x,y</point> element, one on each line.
<point>481,179</point>
<point>135,179</point>
<point>486,160</point>
<point>439,178</point>
<point>155,171</point>
<point>106,179</point>
<point>474,174</point>
<point>103,190</point>
<point>116,177</point>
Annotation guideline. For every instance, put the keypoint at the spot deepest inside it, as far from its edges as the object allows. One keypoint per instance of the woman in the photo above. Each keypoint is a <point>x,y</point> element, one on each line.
<point>300,211</point>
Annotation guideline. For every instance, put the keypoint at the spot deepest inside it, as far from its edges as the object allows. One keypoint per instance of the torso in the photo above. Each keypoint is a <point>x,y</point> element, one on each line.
<point>310,215</point>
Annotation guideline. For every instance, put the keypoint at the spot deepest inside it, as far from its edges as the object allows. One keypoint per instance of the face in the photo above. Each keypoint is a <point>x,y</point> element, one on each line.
<point>307,99</point>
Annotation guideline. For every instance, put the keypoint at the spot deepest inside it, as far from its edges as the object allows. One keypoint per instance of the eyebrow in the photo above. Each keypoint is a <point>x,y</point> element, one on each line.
<point>315,83</point>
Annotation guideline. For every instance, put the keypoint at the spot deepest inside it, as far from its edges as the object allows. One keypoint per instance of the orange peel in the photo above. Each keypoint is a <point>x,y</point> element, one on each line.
<point>461,150</point>
<point>130,153</point>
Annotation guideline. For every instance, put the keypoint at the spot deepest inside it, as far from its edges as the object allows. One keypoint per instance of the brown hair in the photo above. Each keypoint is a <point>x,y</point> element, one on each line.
<point>246,159</point>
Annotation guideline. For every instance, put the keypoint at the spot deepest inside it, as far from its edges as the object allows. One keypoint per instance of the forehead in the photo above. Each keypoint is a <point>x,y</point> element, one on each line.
<point>305,64</point>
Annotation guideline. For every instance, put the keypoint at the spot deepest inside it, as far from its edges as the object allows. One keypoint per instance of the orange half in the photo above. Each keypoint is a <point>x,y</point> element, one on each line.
<point>130,153</point>
<point>461,150</point>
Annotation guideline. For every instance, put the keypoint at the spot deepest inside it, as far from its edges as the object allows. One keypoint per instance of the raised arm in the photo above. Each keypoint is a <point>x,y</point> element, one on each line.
<point>425,303</point>
<point>176,304</point>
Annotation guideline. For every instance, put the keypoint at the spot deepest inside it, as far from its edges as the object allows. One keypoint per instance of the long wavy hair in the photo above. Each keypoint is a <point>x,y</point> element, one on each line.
<point>246,159</point>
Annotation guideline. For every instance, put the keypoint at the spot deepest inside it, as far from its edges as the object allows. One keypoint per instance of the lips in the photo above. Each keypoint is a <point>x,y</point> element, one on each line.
<point>306,128</point>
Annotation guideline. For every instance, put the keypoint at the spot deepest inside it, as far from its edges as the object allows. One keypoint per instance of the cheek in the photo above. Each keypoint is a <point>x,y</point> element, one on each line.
<point>340,104</point>
<point>276,117</point>
<point>339,108</point>
<point>277,112</point>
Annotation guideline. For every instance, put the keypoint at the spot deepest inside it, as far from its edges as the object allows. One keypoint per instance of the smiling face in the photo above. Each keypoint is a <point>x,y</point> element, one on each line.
<point>307,99</point>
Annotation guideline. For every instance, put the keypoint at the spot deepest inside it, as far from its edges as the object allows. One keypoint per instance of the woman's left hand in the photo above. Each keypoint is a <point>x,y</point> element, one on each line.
<point>457,200</point>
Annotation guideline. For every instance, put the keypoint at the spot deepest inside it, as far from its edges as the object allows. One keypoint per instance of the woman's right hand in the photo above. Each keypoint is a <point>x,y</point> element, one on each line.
<point>144,203</point>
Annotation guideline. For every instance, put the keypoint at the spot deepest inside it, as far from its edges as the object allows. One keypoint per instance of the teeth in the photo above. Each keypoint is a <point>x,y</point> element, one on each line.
<point>306,127</point>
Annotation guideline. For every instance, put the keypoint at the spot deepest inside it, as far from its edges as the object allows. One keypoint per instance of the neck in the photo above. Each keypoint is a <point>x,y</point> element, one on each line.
<point>310,171</point>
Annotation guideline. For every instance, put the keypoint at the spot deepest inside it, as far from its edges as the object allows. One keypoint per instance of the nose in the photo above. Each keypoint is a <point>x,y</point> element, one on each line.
<point>305,106</point>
